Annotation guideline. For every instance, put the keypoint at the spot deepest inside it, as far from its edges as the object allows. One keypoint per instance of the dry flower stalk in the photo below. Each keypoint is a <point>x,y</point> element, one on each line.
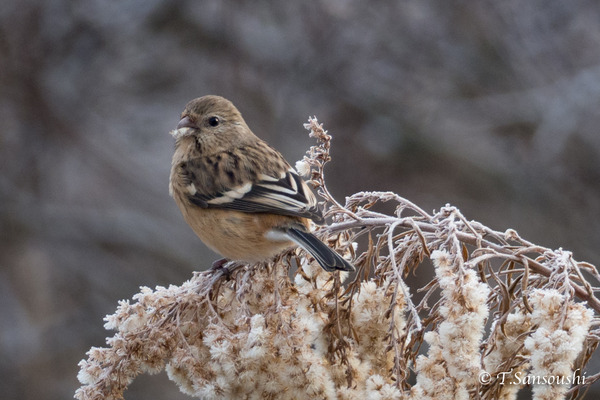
<point>254,332</point>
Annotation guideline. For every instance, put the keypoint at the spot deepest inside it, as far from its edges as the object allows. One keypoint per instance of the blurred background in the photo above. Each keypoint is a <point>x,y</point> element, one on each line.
<point>490,106</point>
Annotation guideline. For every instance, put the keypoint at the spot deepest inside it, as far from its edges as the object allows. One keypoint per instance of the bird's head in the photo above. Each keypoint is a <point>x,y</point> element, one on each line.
<point>212,119</point>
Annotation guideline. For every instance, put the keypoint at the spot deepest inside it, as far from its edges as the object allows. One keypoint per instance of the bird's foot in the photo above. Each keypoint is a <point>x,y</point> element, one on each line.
<point>219,265</point>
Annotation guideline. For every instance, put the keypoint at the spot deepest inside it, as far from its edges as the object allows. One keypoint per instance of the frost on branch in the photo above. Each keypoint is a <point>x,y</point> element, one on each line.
<point>498,308</point>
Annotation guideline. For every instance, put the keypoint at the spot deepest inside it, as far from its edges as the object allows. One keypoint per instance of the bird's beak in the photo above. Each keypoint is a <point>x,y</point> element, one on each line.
<point>186,122</point>
<point>184,127</point>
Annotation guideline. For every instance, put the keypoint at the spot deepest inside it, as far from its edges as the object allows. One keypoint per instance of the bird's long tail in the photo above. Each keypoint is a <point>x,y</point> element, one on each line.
<point>325,256</point>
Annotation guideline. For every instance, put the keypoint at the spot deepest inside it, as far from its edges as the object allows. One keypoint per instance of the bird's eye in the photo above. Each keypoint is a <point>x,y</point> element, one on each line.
<point>213,121</point>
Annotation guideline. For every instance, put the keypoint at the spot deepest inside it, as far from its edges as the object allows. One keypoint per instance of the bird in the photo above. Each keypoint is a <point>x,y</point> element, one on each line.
<point>237,193</point>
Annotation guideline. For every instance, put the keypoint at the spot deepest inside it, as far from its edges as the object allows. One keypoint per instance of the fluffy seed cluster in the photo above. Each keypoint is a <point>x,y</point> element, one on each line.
<point>452,364</point>
<point>508,343</point>
<point>561,329</point>
<point>269,339</point>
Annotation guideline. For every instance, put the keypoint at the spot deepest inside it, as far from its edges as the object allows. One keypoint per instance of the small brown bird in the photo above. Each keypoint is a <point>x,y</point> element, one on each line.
<point>239,194</point>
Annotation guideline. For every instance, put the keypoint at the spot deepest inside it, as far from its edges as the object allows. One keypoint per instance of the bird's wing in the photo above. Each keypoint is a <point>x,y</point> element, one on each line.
<point>286,194</point>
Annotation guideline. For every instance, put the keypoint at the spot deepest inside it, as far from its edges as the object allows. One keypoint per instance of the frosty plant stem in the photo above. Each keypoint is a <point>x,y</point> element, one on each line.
<point>288,330</point>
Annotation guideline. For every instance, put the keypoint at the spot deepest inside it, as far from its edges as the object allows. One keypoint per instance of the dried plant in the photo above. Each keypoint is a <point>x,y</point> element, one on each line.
<point>500,313</point>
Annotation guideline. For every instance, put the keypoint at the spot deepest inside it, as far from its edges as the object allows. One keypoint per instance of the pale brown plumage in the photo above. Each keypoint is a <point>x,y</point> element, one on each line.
<point>239,194</point>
